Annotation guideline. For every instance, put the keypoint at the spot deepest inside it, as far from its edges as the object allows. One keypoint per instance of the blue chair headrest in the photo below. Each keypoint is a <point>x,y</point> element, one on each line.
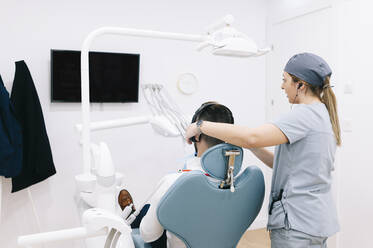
<point>215,163</point>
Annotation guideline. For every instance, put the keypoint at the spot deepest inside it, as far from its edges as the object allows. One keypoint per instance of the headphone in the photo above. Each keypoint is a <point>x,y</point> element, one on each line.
<point>298,87</point>
<point>202,109</point>
<point>197,114</point>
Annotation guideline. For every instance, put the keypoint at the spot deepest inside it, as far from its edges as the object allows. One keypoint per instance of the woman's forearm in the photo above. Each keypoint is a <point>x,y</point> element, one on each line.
<point>239,136</point>
<point>232,134</point>
<point>262,136</point>
<point>263,155</point>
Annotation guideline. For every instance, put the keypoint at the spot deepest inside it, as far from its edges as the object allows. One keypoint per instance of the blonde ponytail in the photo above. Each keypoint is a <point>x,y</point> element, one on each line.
<point>330,101</point>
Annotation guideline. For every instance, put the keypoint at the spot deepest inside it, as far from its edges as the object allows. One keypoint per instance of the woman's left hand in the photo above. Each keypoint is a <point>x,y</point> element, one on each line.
<point>192,131</point>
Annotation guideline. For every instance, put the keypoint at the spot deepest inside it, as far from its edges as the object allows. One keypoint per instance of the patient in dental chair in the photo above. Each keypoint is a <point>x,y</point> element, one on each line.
<point>150,229</point>
<point>125,199</point>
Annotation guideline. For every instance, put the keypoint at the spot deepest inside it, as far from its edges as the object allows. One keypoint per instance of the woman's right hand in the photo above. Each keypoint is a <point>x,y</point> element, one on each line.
<point>192,131</point>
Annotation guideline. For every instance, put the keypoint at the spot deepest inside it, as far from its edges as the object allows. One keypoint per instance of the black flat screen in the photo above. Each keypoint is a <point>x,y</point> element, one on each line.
<point>113,77</point>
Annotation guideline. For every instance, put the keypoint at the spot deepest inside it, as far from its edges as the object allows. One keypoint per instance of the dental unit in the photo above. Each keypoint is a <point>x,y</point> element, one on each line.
<point>98,184</point>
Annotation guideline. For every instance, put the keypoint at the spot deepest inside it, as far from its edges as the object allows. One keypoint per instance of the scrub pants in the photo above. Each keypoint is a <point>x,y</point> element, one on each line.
<point>281,238</point>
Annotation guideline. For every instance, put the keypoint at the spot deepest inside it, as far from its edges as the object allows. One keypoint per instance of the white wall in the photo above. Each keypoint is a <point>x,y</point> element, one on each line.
<point>355,186</point>
<point>31,28</point>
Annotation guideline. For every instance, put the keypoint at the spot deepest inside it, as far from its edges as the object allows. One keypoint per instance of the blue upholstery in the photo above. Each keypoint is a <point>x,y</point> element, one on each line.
<point>202,215</point>
<point>215,156</point>
<point>137,240</point>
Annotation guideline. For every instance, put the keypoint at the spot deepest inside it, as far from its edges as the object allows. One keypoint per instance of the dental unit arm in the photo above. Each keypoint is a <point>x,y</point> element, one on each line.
<point>104,183</point>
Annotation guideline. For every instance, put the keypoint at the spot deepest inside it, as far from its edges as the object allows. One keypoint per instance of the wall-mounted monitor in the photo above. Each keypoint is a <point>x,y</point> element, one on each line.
<point>113,77</point>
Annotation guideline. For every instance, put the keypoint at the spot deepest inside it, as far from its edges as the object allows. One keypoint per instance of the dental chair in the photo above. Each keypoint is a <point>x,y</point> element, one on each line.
<point>201,213</point>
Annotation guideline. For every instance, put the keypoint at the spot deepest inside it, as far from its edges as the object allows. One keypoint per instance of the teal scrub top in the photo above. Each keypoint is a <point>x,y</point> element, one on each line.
<point>302,168</point>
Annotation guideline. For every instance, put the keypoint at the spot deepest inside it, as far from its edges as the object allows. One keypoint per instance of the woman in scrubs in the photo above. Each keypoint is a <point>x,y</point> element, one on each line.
<point>301,210</point>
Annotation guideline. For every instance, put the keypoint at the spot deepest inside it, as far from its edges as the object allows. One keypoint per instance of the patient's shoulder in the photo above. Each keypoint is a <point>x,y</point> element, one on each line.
<point>168,180</point>
<point>171,176</point>
<point>164,184</point>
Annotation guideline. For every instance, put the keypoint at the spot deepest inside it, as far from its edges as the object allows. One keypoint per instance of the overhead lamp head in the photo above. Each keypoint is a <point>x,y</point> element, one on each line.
<point>227,41</point>
<point>236,47</point>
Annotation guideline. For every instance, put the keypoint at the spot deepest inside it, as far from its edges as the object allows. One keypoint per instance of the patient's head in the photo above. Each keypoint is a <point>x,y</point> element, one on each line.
<point>125,199</point>
<point>215,112</point>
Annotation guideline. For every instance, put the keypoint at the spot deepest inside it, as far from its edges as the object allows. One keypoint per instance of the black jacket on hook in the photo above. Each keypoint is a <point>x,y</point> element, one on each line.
<point>10,137</point>
<point>37,155</point>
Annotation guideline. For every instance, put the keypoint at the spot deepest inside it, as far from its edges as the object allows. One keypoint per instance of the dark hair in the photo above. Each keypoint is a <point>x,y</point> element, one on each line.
<point>215,112</point>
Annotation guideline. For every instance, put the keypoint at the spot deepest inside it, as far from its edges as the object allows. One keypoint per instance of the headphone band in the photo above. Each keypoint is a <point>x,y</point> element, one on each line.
<point>203,108</point>
<point>200,110</point>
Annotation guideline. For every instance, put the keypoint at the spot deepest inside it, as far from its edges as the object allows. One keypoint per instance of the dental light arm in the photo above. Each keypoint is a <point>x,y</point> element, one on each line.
<point>233,44</point>
<point>85,73</point>
<point>225,21</point>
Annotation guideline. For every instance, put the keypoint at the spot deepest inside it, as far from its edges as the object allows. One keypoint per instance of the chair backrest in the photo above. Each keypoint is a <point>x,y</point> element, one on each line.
<point>202,215</point>
<point>215,162</point>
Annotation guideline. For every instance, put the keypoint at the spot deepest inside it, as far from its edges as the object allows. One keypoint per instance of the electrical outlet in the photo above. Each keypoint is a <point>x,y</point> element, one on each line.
<point>348,88</point>
<point>347,125</point>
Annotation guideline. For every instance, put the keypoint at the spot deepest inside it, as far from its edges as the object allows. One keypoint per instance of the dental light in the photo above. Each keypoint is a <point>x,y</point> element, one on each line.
<point>227,41</point>
<point>239,47</point>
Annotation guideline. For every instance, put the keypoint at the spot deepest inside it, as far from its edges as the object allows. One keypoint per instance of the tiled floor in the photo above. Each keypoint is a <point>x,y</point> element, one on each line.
<point>255,239</point>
